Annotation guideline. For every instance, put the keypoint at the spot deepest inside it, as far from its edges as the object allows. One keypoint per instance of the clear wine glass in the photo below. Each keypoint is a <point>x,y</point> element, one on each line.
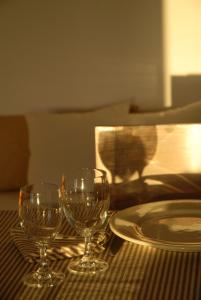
<point>85,201</point>
<point>40,218</point>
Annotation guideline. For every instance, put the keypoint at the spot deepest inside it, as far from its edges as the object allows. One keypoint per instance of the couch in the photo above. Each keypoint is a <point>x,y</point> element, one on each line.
<point>43,146</point>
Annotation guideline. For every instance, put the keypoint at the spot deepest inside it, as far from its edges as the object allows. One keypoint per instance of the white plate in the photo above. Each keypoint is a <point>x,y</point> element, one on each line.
<point>172,225</point>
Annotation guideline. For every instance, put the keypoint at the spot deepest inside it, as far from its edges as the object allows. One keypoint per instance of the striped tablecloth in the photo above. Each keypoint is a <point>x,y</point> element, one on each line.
<point>136,272</point>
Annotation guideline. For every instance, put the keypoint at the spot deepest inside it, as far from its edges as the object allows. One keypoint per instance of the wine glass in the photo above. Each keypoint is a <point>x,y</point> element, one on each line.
<point>40,218</point>
<point>85,202</point>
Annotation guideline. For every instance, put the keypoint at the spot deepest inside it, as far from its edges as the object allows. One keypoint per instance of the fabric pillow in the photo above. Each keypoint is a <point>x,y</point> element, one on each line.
<point>62,142</point>
<point>14,152</point>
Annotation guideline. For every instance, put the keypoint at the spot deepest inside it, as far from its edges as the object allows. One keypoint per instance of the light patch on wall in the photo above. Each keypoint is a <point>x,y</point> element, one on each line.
<point>184,37</point>
<point>193,139</point>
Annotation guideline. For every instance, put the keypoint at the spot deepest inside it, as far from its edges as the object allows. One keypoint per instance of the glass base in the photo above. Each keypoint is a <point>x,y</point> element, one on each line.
<point>35,279</point>
<point>88,266</point>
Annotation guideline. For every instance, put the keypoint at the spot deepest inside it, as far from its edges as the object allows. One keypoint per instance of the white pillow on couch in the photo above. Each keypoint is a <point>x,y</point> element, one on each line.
<point>190,113</point>
<point>61,142</point>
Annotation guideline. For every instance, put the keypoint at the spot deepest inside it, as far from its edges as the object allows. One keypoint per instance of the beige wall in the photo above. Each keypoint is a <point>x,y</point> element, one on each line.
<point>69,54</point>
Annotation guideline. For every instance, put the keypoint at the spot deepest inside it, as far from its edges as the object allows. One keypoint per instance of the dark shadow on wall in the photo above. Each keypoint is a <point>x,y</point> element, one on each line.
<point>186,89</point>
<point>127,151</point>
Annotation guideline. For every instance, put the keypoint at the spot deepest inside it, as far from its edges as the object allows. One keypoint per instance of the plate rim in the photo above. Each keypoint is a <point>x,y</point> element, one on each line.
<point>181,247</point>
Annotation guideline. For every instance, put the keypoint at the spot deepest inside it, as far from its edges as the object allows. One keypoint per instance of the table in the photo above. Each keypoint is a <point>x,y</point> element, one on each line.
<point>136,272</point>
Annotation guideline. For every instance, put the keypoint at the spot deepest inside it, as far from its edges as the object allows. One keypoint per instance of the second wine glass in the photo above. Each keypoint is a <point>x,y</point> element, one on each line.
<point>40,217</point>
<point>85,201</point>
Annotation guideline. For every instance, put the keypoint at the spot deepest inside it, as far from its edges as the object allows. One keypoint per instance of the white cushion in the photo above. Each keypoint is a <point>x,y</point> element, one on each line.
<point>190,113</point>
<point>62,142</point>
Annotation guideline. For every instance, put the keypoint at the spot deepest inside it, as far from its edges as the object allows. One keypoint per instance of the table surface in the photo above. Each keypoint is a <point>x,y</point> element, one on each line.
<point>135,272</point>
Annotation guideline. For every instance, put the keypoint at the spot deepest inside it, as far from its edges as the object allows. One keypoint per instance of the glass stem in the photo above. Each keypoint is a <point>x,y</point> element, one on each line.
<point>87,250</point>
<point>43,263</point>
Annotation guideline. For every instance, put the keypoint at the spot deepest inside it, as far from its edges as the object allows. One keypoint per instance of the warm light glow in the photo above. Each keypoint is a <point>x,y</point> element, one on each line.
<point>153,182</point>
<point>178,151</point>
<point>38,199</point>
<point>184,36</point>
<point>107,128</point>
<point>82,184</point>
<point>193,139</point>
